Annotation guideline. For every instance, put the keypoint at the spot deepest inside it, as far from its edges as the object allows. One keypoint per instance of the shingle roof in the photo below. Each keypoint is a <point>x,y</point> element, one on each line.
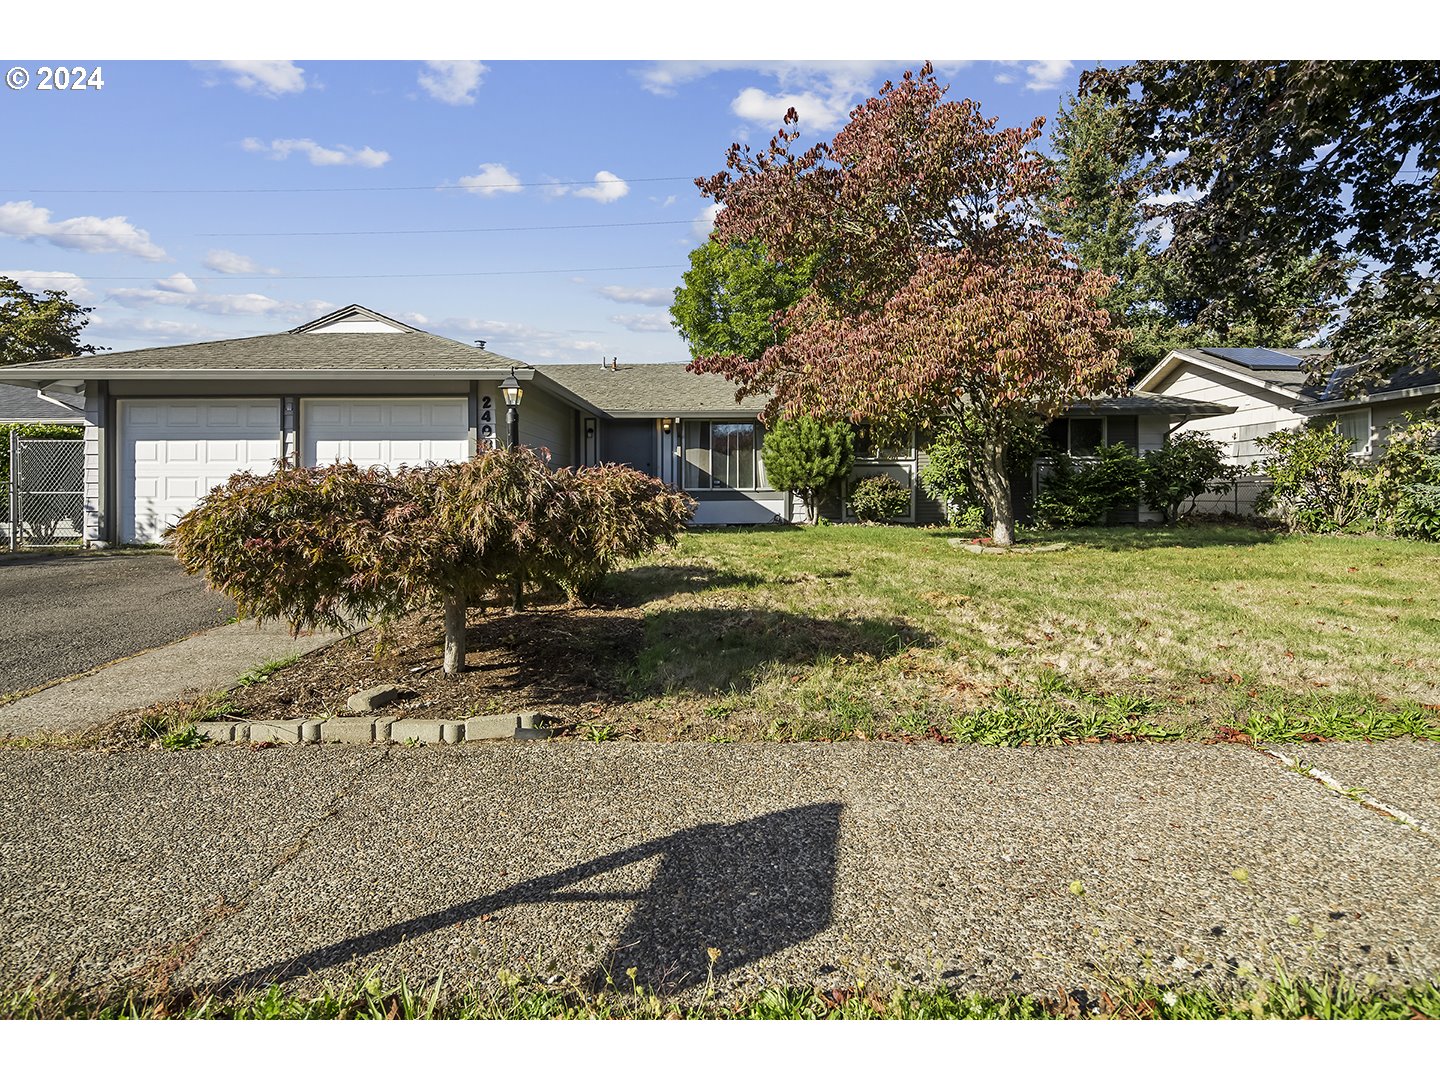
<point>651,390</point>
<point>20,403</point>
<point>1413,380</point>
<point>412,351</point>
<point>1273,366</point>
<point>1144,402</point>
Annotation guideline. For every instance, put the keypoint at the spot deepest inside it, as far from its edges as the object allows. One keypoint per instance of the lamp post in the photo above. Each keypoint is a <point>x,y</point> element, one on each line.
<point>512,392</point>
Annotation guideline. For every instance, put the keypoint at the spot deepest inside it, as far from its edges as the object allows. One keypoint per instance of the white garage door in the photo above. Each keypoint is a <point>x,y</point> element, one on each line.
<point>173,452</point>
<point>407,431</point>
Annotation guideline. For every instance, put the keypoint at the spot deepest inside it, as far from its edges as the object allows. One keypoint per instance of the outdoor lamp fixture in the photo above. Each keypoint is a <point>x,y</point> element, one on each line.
<point>512,393</point>
<point>666,425</point>
<point>511,390</point>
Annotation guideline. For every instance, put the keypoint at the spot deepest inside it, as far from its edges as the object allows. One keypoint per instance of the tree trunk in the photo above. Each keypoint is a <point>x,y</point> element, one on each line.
<point>999,495</point>
<point>455,633</point>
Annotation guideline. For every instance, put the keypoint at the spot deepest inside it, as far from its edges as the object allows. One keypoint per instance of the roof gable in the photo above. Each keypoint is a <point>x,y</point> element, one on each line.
<point>355,319</point>
<point>1286,378</point>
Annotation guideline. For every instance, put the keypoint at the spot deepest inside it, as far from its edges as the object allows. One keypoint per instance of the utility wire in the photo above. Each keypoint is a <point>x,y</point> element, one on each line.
<point>428,232</point>
<point>354,277</point>
<point>398,187</point>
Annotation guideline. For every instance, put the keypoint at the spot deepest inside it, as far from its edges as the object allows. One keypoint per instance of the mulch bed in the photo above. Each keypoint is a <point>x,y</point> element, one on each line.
<point>559,660</point>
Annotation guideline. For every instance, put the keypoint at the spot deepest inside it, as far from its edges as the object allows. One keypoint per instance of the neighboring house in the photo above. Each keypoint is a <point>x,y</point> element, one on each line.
<point>1264,389</point>
<point>1368,417</point>
<point>22,405</point>
<point>165,425</point>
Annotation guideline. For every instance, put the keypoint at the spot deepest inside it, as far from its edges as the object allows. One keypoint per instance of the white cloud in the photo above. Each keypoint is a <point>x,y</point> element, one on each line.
<point>452,81</point>
<point>27,221</point>
<point>280,149</point>
<point>268,78</point>
<point>758,107</point>
<point>218,303</point>
<point>72,285</point>
<point>231,262</point>
<point>521,340</point>
<point>858,77</point>
<point>1039,74</point>
<point>491,179</point>
<point>178,283</point>
<point>148,330</point>
<point>645,323</point>
<point>607,188</point>
<point>705,221</point>
<point>624,294</point>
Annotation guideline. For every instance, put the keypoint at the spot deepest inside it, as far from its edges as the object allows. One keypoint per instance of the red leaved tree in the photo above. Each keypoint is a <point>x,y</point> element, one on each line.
<point>937,294</point>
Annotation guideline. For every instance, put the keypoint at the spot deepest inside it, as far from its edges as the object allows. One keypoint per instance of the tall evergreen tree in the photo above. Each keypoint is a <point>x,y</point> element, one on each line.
<point>1108,206</point>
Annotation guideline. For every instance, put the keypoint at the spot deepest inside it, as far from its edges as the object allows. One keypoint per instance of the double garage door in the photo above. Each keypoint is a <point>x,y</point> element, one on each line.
<point>174,451</point>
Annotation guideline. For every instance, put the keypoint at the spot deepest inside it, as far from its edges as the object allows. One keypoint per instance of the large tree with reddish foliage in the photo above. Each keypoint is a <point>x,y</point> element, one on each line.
<point>936,291</point>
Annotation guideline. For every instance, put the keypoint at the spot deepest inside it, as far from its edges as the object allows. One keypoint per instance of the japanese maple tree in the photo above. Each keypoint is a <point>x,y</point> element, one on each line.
<point>936,291</point>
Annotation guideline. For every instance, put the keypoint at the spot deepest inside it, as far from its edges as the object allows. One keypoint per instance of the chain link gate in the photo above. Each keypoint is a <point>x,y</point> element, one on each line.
<point>45,503</point>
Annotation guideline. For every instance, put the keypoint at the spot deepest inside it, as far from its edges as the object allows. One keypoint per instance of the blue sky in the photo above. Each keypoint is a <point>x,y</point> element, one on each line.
<point>113,194</point>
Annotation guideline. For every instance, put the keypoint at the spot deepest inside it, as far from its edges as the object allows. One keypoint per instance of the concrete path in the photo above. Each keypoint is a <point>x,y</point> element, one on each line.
<point>211,660</point>
<point>68,612</point>
<point>803,864</point>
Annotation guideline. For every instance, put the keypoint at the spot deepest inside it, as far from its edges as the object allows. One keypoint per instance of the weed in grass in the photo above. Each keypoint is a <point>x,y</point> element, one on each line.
<point>185,737</point>
<point>262,673</point>
<point>598,733</point>
<point>1318,721</point>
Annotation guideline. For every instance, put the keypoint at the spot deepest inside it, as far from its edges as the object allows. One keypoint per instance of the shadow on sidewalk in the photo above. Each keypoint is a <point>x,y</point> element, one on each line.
<point>748,889</point>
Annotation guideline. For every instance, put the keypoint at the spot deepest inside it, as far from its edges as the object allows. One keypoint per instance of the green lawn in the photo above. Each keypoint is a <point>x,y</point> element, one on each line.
<point>1279,998</point>
<point>863,632</point>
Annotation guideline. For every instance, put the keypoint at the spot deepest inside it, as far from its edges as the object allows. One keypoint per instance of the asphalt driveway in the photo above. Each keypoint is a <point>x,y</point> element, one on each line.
<point>67,613</point>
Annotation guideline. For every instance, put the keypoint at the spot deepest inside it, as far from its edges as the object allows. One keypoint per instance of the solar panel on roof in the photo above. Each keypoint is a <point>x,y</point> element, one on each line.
<point>1259,359</point>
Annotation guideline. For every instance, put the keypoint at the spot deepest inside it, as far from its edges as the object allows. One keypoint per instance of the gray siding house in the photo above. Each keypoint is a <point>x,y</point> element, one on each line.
<point>165,425</point>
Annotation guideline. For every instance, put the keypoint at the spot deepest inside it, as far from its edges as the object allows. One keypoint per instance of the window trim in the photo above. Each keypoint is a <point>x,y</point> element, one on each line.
<point>762,482</point>
<point>1069,447</point>
<point>1369,415</point>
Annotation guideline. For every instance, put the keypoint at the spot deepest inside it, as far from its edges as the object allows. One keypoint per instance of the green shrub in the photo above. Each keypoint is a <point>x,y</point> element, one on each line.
<point>947,479</point>
<point>1317,484</point>
<point>1405,483</point>
<point>808,457</point>
<point>879,498</point>
<point>1186,467</point>
<point>1081,493</point>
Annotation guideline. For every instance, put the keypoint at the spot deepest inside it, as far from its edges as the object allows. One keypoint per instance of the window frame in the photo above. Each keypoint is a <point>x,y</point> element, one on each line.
<point>761,482</point>
<point>1360,451</point>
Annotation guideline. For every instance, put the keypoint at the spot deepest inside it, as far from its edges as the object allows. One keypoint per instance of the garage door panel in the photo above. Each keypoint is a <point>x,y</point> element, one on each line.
<point>173,452</point>
<point>388,433</point>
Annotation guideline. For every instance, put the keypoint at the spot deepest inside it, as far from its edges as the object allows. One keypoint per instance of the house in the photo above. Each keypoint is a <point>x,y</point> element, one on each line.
<point>165,425</point>
<point>1271,390</point>
<point>22,405</point>
<point>1367,418</point>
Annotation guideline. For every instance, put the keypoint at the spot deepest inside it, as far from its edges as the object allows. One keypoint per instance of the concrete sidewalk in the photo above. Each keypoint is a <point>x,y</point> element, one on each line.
<point>210,660</point>
<point>803,864</point>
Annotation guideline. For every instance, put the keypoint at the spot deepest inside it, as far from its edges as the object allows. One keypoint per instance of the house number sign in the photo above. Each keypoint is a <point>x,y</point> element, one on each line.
<point>487,421</point>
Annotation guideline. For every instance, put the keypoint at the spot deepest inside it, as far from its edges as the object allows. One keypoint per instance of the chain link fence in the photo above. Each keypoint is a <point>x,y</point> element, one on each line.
<point>45,493</point>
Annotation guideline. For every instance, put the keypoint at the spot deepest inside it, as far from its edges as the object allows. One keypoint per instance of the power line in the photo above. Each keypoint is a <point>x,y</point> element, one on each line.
<point>356,277</point>
<point>504,185</point>
<point>428,232</point>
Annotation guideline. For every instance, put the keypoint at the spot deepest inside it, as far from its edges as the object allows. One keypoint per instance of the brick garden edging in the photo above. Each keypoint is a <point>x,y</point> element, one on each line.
<point>380,729</point>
